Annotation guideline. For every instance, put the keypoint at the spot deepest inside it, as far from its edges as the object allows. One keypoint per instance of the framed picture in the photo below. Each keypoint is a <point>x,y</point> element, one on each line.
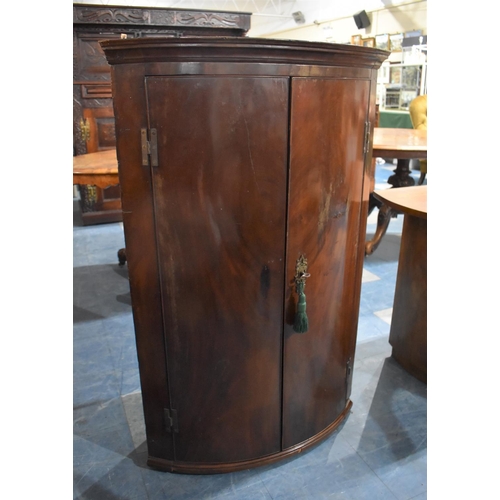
<point>410,77</point>
<point>368,42</point>
<point>406,97</point>
<point>396,42</point>
<point>382,42</point>
<point>356,40</point>
<point>395,75</point>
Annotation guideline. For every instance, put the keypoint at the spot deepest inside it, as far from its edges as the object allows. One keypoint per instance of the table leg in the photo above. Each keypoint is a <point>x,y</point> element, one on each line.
<point>122,256</point>
<point>408,333</point>
<point>400,178</point>
<point>384,216</point>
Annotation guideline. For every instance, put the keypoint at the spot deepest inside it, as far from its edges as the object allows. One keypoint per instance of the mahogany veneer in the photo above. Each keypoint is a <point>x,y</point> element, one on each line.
<point>237,157</point>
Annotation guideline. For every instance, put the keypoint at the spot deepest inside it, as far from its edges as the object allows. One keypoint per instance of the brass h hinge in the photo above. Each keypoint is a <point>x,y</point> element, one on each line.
<point>149,147</point>
<point>366,145</point>
<point>171,422</point>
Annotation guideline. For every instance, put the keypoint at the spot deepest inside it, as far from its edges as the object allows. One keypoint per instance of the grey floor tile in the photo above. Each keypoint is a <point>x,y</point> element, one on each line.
<point>406,478</point>
<point>378,346</point>
<point>422,496</point>
<point>109,481</point>
<point>370,327</point>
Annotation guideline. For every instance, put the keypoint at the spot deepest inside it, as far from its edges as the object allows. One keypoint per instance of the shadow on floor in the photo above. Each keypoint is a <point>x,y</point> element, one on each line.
<point>100,291</point>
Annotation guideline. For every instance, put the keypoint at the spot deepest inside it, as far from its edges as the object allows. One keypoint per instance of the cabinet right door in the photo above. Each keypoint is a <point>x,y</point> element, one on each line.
<point>327,159</point>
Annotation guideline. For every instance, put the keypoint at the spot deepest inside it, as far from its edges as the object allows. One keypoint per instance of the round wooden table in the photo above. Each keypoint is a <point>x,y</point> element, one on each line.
<point>405,145</point>
<point>408,335</point>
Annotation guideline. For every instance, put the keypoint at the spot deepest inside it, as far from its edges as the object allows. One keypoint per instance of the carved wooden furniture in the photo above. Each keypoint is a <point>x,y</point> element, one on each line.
<point>94,171</point>
<point>245,176</point>
<point>93,120</point>
<point>408,335</point>
<point>403,144</point>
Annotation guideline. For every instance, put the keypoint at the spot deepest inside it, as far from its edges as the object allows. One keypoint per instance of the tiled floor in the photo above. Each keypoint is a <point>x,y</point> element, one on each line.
<point>379,452</point>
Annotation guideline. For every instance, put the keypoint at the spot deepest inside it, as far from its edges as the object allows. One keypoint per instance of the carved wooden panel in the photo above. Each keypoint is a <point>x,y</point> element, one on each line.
<point>119,15</point>
<point>93,90</point>
<point>101,125</point>
<point>90,61</point>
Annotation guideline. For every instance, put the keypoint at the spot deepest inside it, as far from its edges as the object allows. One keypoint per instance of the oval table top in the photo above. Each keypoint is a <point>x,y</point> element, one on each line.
<point>410,200</point>
<point>102,162</point>
<point>401,143</point>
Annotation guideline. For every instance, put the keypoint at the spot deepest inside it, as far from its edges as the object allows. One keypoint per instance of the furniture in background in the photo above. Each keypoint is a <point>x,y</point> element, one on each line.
<point>97,169</point>
<point>91,172</point>
<point>418,113</point>
<point>93,119</point>
<point>394,119</point>
<point>403,144</point>
<point>408,334</point>
<point>242,168</point>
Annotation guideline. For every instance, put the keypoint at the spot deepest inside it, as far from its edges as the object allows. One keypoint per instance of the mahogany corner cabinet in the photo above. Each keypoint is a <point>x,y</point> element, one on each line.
<point>245,169</point>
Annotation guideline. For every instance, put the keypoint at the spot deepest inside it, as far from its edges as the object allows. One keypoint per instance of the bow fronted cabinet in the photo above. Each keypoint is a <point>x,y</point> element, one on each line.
<point>245,171</point>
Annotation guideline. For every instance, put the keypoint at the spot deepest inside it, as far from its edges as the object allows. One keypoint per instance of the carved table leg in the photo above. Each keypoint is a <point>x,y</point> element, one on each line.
<point>384,216</point>
<point>373,203</point>
<point>400,178</point>
<point>122,256</point>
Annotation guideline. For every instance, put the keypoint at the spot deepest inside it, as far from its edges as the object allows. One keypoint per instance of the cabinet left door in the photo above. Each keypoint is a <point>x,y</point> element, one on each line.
<point>219,195</point>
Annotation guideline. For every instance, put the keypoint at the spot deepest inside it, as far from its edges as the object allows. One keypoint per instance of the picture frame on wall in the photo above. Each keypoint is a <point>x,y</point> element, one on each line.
<point>396,42</point>
<point>382,42</point>
<point>368,42</point>
<point>356,40</point>
<point>395,75</point>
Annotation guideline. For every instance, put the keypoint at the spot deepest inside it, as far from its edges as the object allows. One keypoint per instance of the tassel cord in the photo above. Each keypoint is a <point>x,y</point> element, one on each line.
<point>301,323</point>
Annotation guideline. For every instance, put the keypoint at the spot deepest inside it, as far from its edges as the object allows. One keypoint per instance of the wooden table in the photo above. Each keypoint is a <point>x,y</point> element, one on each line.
<point>403,144</point>
<point>408,335</point>
<point>98,169</point>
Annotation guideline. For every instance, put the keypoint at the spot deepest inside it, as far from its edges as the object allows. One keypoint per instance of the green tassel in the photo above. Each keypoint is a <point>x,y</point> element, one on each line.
<point>301,323</point>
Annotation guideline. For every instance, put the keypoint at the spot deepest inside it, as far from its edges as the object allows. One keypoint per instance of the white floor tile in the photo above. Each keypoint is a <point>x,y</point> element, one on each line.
<point>368,276</point>
<point>384,315</point>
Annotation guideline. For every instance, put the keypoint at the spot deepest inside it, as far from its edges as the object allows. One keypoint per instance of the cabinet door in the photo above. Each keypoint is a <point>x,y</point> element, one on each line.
<point>220,202</point>
<point>326,175</point>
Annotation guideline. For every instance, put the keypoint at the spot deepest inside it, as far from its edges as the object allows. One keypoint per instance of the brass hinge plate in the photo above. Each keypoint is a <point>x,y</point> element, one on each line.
<point>366,146</point>
<point>149,147</point>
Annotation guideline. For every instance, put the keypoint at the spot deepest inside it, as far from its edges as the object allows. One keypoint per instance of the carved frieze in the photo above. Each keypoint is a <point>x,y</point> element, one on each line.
<point>95,14</point>
<point>192,18</point>
<point>108,15</point>
<point>163,17</point>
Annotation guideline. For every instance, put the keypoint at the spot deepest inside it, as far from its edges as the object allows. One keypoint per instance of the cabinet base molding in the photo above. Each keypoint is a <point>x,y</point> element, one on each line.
<point>221,468</point>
